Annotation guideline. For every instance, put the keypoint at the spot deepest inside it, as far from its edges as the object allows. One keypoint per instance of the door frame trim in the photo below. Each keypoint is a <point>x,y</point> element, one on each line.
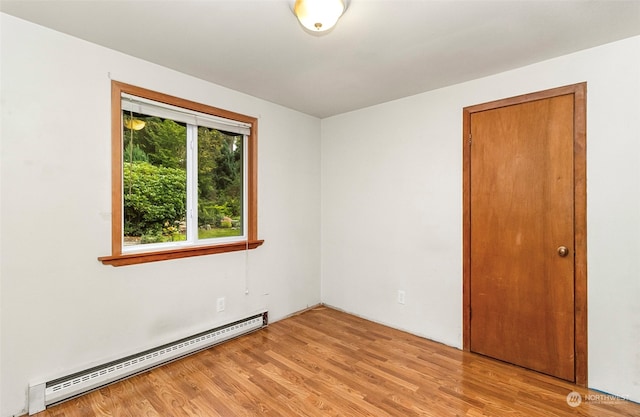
<point>579,92</point>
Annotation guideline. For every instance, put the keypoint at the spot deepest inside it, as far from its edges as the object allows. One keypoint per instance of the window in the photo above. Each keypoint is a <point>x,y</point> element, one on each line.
<point>183,178</point>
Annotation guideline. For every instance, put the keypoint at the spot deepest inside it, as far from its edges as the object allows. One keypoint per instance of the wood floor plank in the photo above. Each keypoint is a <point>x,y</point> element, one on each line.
<point>328,363</point>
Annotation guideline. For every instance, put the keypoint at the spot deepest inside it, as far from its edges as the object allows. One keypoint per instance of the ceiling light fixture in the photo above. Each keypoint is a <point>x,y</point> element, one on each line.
<point>319,15</point>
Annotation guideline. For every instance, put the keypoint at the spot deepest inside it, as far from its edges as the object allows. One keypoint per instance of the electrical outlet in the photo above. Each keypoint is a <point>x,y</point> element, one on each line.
<point>401,296</point>
<point>220,304</point>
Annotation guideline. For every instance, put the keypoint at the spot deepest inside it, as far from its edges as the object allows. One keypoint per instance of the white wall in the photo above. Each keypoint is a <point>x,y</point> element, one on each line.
<point>391,212</point>
<point>61,309</point>
<point>392,206</point>
<point>1,204</point>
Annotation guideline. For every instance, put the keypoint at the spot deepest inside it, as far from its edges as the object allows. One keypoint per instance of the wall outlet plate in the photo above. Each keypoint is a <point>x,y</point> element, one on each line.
<point>220,304</point>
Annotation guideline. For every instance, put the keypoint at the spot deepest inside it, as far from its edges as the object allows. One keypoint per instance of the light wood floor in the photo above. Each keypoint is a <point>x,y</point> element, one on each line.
<point>328,363</point>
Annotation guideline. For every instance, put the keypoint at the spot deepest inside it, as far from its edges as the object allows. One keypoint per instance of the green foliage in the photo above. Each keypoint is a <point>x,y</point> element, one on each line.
<point>155,179</point>
<point>171,230</point>
<point>167,143</point>
<point>162,140</point>
<point>215,233</point>
<point>153,196</point>
<point>212,214</point>
<point>170,233</point>
<point>151,238</point>
<point>136,154</point>
<point>219,177</point>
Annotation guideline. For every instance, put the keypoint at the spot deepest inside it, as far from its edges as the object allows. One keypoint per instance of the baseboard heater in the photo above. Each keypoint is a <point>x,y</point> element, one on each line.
<point>45,394</point>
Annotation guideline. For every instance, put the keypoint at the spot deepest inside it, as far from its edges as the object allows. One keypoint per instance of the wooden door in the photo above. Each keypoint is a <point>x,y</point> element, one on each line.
<point>522,221</point>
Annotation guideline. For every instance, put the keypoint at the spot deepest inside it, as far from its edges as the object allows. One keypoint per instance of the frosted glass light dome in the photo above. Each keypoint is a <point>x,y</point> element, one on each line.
<point>318,15</point>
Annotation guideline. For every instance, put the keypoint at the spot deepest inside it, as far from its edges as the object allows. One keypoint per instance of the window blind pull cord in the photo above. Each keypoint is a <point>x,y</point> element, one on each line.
<point>130,151</point>
<point>246,267</point>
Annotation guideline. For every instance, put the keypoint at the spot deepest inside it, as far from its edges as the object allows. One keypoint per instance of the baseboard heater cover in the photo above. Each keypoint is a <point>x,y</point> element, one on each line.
<point>44,394</point>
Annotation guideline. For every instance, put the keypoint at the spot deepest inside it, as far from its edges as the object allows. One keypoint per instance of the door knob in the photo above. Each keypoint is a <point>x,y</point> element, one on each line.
<point>563,251</point>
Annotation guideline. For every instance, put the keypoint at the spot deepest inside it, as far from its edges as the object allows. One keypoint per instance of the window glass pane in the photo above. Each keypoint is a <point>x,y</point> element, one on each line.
<point>220,183</point>
<point>154,179</point>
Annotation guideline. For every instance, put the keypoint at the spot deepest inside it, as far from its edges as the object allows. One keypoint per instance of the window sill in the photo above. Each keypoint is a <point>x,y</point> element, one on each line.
<point>144,257</point>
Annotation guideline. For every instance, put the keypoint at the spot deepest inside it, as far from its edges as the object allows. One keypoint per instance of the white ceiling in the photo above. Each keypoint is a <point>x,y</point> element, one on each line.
<point>380,50</point>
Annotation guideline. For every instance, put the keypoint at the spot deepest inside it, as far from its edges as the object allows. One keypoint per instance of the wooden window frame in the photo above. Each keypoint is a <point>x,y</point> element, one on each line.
<point>117,257</point>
